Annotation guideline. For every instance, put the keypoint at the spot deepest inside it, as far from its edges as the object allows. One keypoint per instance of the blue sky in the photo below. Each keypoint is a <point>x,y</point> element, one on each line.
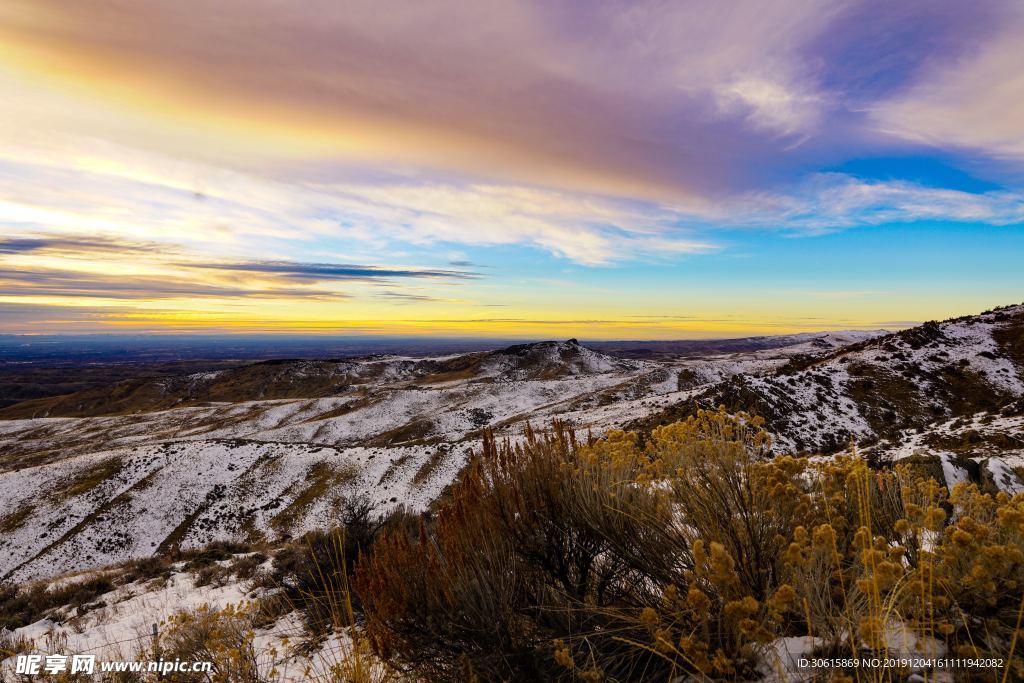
<point>532,169</point>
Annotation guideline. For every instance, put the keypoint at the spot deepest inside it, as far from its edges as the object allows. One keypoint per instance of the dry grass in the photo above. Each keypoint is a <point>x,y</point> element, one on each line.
<point>689,555</point>
<point>13,521</point>
<point>320,479</point>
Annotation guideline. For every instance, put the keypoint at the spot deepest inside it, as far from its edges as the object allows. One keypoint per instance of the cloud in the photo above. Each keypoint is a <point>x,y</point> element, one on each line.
<point>586,229</point>
<point>77,284</point>
<point>618,99</point>
<point>74,266</point>
<point>18,317</point>
<point>772,106</point>
<point>826,202</point>
<point>627,131</point>
<point>252,154</point>
<point>973,101</point>
<point>675,102</point>
<point>44,243</point>
<point>407,298</point>
<point>335,271</point>
<point>120,195</point>
<point>33,318</point>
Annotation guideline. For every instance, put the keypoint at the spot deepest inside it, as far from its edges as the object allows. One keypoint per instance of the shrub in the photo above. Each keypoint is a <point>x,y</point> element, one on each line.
<point>145,568</point>
<point>533,545</point>
<point>610,560</point>
<point>222,637</point>
<point>218,551</point>
<point>23,605</point>
<point>246,566</point>
<point>12,645</point>
<point>312,574</point>
<point>227,639</point>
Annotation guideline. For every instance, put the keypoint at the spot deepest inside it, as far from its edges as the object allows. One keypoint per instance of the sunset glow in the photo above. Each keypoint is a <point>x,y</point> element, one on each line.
<point>535,170</point>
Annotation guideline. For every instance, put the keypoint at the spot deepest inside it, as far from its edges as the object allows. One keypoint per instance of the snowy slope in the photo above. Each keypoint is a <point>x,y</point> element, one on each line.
<point>79,492</point>
<point>872,390</point>
<point>272,449</point>
<point>190,493</point>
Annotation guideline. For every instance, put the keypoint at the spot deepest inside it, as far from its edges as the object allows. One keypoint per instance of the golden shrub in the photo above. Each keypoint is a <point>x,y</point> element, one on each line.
<point>688,553</point>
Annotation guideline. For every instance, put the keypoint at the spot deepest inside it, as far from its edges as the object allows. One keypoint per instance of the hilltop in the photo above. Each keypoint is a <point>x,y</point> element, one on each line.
<point>873,390</point>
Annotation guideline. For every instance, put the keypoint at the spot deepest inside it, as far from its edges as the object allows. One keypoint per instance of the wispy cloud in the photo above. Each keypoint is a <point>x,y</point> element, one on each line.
<point>241,211</point>
<point>410,298</point>
<point>525,93</point>
<point>972,101</point>
<point>77,245</point>
<point>40,267</point>
<point>335,271</point>
<point>65,284</point>
<point>21,317</point>
<point>607,147</point>
<point>775,107</point>
<point>827,202</point>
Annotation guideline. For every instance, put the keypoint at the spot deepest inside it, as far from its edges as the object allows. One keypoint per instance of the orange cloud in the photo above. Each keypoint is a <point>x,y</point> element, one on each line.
<point>616,103</point>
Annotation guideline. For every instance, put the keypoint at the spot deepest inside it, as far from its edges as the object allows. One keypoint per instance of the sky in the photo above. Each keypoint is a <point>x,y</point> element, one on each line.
<point>536,169</point>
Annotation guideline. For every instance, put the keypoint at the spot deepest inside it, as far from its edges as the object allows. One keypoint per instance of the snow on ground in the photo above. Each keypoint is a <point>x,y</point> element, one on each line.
<point>816,403</point>
<point>190,493</point>
<point>82,492</point>
<point>922,373</point>
<point>994,441</point>
<point>121,629</point>
<point>1004,477</point>
<point>950,472</point>
<point>781,660</point>
<point>124,624</point>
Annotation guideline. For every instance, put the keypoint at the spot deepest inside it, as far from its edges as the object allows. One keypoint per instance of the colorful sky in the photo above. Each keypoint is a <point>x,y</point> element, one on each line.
<point>517,169</point>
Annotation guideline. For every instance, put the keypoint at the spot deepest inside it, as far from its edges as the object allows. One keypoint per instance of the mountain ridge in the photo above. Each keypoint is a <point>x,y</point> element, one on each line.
<point>270,450</point>
<point>873,389</point>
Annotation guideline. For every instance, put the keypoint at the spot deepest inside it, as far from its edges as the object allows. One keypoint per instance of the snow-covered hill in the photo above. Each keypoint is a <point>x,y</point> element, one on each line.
<point>269,450</point>
<point>872,390</point>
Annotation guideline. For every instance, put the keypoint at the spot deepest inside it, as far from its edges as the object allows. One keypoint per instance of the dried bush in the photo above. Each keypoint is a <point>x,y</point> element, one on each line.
<point>23,605</point>
<point>554,560</point>
<point>223,637</point>
<point>312,573</point>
